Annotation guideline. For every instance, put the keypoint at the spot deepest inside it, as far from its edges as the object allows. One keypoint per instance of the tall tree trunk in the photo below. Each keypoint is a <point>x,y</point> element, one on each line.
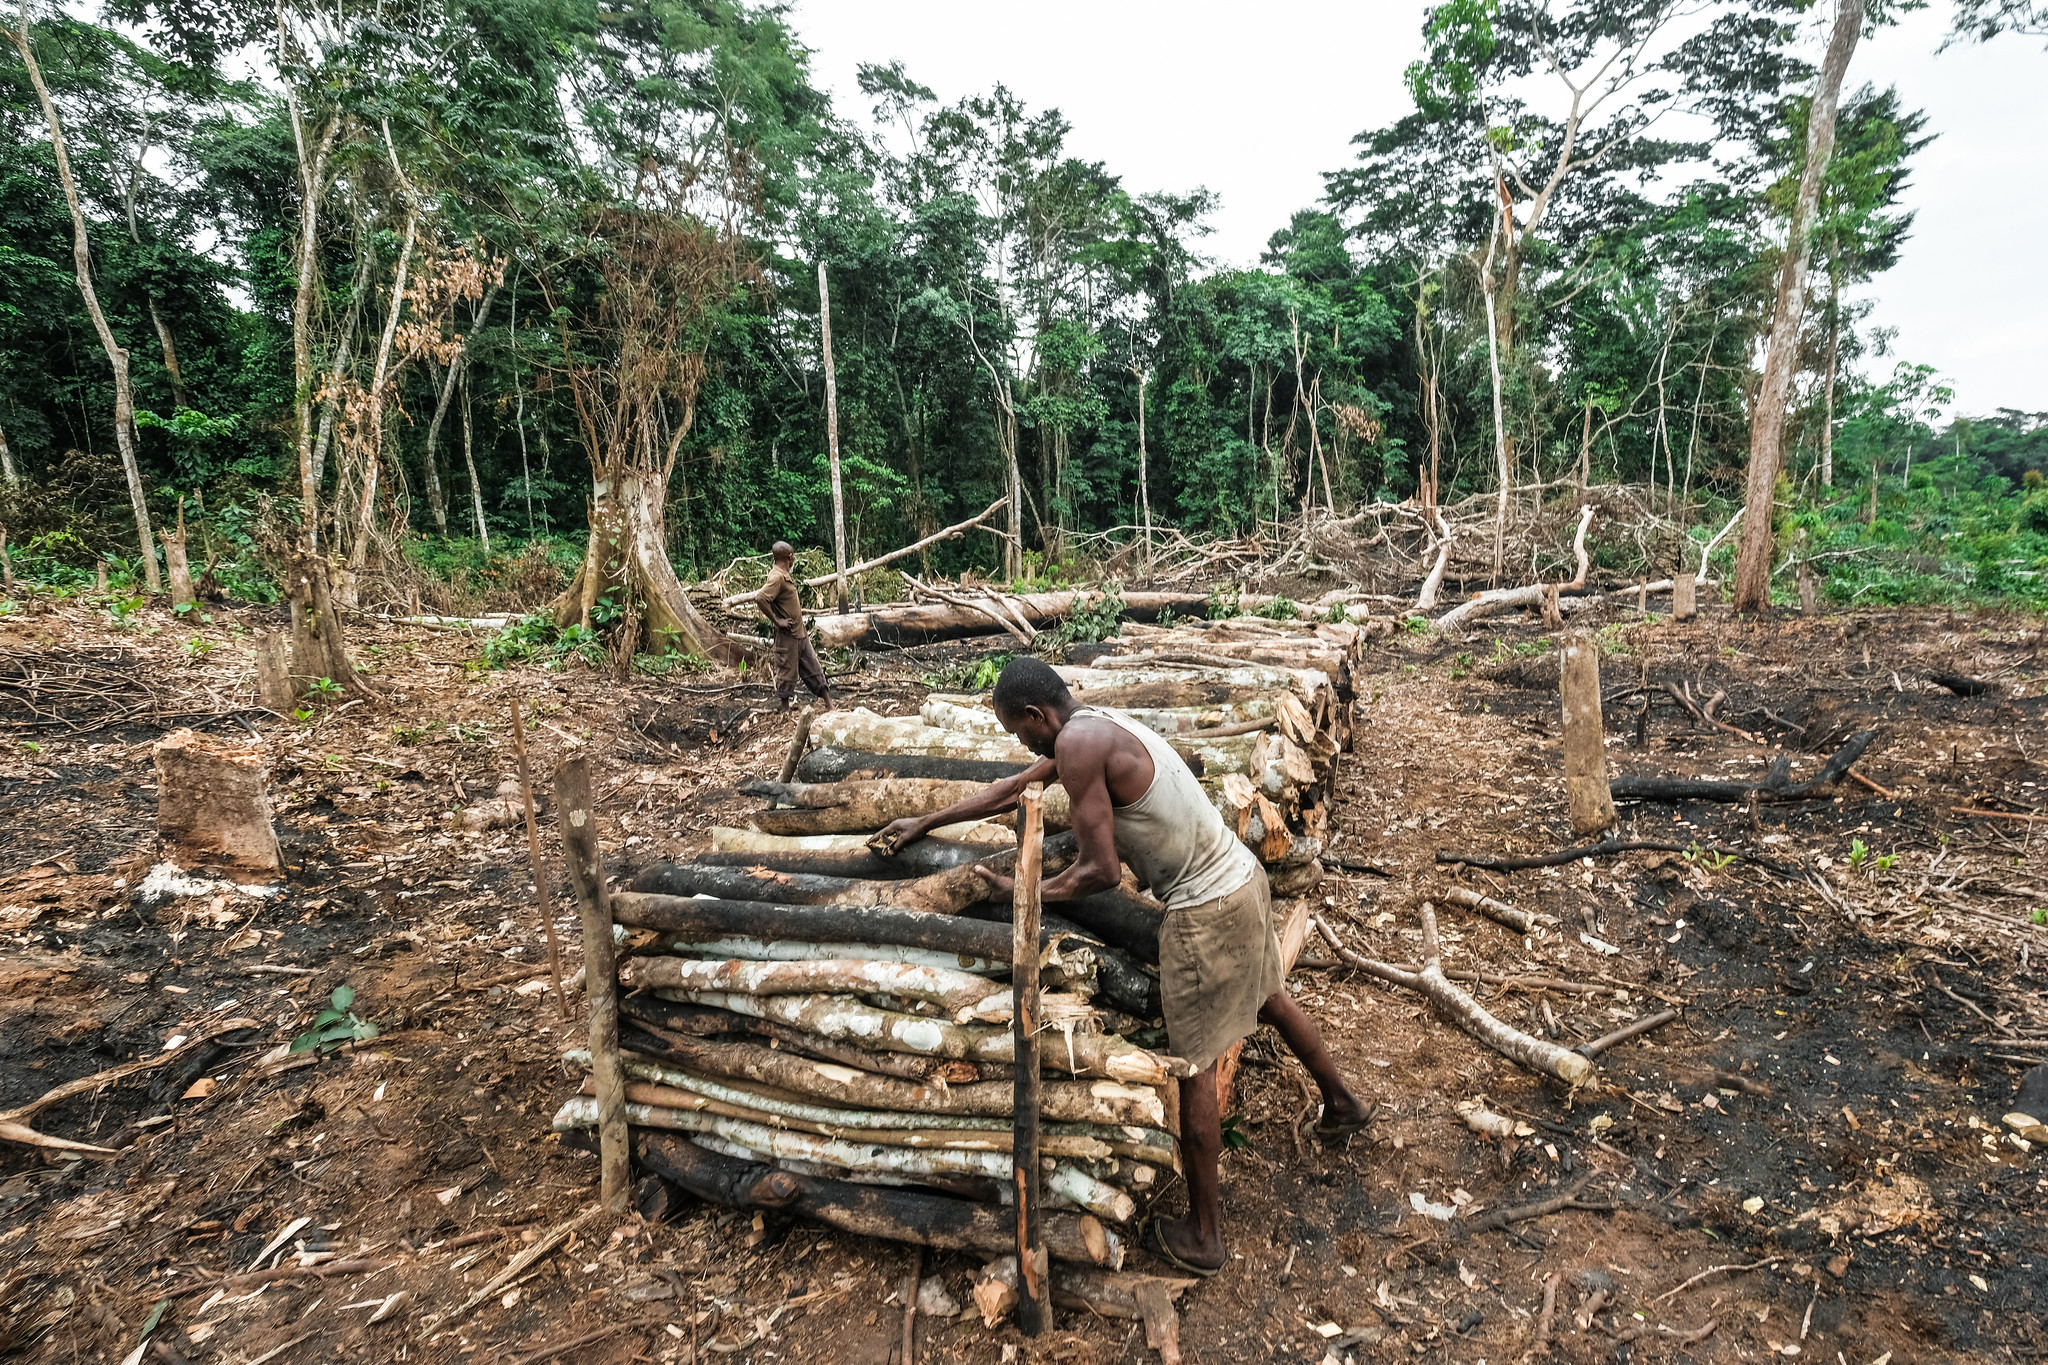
<point>1827,431</point>
<point>81,258</point>
<point>476,487</point>
<point>628,548</point>
<point>1500,431</point>
<point>156,317</point>
<point>1144,484</point>
<point>435,501</point>
<point>1767,420</point>
<point>7,474</point>
<point>380,375</point>
<point>832,443</point>
<point>312,167</point>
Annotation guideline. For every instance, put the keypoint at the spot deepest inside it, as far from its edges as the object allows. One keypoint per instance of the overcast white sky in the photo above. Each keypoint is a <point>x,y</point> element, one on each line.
<point>1256,102</point>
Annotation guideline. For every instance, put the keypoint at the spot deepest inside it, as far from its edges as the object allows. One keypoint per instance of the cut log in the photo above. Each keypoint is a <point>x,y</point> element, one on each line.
<point>749,884</point>
<point>863,729</point>
<point>846,807</point>
<point>1521,921</point>
<point>1777,784</point>
<point>1462,1010</point>
<point>962,995</point>
<point>722,947</point>
<point>923,858</point>
<point>1098,1101</point>
<point>213,805</point>
<point>899,1215</point>
<point>981,834</point>
<point>787,1144</point>
<point>829,764</point>
<point>1497,600</point>
<point>658,1024</point>
<point>273,674</point>
<point>945,621</point>
<point>1590,805</point>
<point>842,1017</point>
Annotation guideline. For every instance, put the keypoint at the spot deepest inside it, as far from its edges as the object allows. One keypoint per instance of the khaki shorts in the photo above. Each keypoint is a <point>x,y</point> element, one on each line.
<point>1218,963</point>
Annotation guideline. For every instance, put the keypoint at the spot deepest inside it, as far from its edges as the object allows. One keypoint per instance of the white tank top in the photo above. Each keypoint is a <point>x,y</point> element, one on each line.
<point>1172,836</point>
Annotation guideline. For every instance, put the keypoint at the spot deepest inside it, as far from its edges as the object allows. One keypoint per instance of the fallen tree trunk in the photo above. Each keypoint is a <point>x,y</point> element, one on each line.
<point>900,1215</point>
<point>953,532</point>
<point>948,621</point>
<point>1506,599</point>
<point>1775,786</point>
<point>1173,722</point>
<point>1467,1013</point>
<point>833,764</point>
<point>962,995</point>
<point>748,883</point>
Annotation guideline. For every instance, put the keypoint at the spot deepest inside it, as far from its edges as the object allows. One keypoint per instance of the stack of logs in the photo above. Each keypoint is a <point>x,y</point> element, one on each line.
<point>1260,710</point>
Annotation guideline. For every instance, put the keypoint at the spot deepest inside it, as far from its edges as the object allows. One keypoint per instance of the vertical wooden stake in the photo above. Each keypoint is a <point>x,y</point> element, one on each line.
<point>1684,601</point>
<point>585,861</point>
<point>1034,1303</point>
<point>798,738</point>
<point>832,443</point>
<point>540,882</point>
<point>1585,744</point>
<point>1809,591</point>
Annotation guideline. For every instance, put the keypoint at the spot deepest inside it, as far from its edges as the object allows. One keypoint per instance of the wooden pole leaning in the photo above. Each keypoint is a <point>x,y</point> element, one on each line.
<point>585,860</point>
<point>540,878</point>
<point>1034,1304</point>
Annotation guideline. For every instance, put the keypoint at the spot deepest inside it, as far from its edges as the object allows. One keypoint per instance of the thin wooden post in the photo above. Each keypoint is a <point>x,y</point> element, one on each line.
<point>798,739</point>
<point>1684,602</point>
<point>540,884</point>
<point>832,443</point>
<point>1585,744</point>
<point>1034,1303</point>
<point>1809,590</point>
<point>585,860</point>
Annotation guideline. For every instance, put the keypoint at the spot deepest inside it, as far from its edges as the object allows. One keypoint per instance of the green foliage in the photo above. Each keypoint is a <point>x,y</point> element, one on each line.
<point>974,675</point>
<point>1099,618</point>
<point>335,1025</point>
<point>1281,608</point>
<point>535,638</point>
<point>1707,858</point>
<point>323,689</point>
<point>1223,600</point>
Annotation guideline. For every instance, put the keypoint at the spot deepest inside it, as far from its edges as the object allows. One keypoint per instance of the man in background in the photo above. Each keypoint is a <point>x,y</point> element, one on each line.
<point>794,657</point>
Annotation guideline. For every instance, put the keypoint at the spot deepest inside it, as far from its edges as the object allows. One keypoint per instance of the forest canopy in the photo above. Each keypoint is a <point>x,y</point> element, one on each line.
<point>457,291</point>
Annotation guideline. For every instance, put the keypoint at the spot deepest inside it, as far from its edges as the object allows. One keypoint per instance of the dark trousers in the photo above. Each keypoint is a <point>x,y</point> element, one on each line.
<point>794,659</point>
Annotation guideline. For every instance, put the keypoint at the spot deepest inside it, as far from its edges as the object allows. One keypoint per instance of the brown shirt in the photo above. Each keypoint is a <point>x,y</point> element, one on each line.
<point>778,601</point>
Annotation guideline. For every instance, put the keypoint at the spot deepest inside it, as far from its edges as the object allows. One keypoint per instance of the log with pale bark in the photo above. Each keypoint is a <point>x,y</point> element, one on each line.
<point>842,1017</point>
<point>1495,601</point>
<point>658,1025</point>
<point>982,834</point>
<point>1467,1013</point>
<point>926,857</point>
<point>832,764</point>
<point>962,995</point>
<point>1093,1101</point>
<point>950,621</point>
<point>1097,1196</point>
<point>902,1215</point>
<point>850,807</point>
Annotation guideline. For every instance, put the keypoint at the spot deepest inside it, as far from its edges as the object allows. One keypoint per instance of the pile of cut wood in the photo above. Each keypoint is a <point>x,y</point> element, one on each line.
<point>1260,710</point>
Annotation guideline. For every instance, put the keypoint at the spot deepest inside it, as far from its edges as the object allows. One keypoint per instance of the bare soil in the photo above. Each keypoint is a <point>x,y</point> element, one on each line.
<point>1823,1118</point>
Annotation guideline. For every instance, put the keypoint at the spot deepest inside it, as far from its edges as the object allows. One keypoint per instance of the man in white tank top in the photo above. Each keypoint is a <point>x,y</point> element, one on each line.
<point>1134,800</point>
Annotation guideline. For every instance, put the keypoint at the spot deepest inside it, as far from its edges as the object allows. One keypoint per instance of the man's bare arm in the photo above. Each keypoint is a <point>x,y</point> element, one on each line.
<point>1083,756</point>
<point>991,800</point>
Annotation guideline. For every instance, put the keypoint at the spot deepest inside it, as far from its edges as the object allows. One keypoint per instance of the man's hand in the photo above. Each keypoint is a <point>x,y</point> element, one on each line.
<point>892,838</point>
<point>998,884</point>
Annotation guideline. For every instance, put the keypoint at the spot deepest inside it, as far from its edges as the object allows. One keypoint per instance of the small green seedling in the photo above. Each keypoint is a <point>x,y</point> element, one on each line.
<point>1708,858</point>
<point>323,688</point>
<point>2040,917</point>
<point>1234,1136</point>
<point>335,1025</point>
<point>199,646</point>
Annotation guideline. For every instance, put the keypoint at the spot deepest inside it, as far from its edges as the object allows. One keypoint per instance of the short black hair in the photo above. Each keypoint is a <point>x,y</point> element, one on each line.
<point>1030,682</point>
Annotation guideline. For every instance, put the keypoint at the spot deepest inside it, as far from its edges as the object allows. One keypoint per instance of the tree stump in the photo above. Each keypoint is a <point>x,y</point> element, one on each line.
<point>318,650</point>
<point>213,805</point>
<point>176,564</point>
<point>1684,603</point>
<point>1585,745</point>
<point>273,676</point>
<point>1809,591</point>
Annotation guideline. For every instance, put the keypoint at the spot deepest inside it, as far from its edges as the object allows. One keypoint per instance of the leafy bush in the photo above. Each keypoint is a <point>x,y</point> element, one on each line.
<point>536,638</point>
<point>973,675</point>
<point>1281,608</point>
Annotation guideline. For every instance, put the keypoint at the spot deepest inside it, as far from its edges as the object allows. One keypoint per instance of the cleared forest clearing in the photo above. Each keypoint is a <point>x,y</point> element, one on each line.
<point>1821,1122</point>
